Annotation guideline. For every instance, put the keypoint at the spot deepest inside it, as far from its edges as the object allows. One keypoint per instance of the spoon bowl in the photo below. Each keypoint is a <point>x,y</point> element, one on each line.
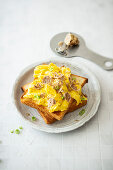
<point>80,50</point>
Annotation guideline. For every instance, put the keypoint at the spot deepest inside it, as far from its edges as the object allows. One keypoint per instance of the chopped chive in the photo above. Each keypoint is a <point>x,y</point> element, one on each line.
<point>83,98</point>
<point>62,97</point>
<point>12,131</point>
<point>36,96</point>
<point>20,127</point>
<point>73,78</point>
<point>51,68</point>
<point>17,131</point>
<point>82,112</point>
<point>57,87</point>
<point>33,118</point>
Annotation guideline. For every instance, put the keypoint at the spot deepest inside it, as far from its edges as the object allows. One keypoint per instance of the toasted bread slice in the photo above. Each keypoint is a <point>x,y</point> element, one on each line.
<point>47,118</point>
<point>81,80</point>
<point>74,106</point>
<point>50,119</point>
<point>59,114</point>
<point>25,87</point>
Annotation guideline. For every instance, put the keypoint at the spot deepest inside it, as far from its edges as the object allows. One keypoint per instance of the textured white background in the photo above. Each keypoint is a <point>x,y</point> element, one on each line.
<point>26,27</point>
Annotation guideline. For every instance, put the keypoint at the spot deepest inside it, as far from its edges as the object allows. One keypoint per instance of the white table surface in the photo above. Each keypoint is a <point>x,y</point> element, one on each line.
<point>26,27</point>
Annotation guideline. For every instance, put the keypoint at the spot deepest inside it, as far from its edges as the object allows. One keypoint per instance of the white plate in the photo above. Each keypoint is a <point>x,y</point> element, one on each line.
<point>71,120</point>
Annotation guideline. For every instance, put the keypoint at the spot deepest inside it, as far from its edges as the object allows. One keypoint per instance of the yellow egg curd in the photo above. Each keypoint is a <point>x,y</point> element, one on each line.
<point>53,82</point>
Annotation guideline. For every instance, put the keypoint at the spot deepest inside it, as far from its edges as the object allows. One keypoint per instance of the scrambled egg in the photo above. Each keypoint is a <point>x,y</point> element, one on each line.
<point>52,82</point>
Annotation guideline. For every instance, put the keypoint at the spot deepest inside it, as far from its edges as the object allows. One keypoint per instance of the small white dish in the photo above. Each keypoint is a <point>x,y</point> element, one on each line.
<point>71,120</point>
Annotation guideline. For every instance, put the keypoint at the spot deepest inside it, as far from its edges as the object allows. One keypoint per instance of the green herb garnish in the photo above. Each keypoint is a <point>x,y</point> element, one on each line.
<point>83,98</point>
<point>57,87</point>
<point>62,97</point>
<point>12,131</point>
<point>82,112</point>
<point>36,96</point>
<point>20,127</point>
<point>33,118</point>
<point>51,68</point>
<point>17,131</point>
<point>73,78</point>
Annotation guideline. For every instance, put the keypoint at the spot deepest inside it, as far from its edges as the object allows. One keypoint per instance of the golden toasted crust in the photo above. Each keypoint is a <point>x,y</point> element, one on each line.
<point>25,87</point>
<point>47,118</point>
<point>81,80</point>
<point>74,106</point>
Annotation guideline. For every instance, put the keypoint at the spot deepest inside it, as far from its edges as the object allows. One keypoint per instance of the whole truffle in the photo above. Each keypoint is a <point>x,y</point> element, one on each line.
<point>71,40</point>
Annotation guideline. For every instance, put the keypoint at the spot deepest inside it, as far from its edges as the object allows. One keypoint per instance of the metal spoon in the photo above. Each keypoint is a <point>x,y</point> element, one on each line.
<point>81,51</point>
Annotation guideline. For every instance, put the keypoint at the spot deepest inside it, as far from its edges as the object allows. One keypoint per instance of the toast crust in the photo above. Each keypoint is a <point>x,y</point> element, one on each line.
<point>74,107</point>
<point>82,80</point>
<point>47,118</point>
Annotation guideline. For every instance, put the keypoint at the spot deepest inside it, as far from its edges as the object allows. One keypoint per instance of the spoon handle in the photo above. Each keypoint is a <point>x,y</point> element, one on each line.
<point>104,62</point>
